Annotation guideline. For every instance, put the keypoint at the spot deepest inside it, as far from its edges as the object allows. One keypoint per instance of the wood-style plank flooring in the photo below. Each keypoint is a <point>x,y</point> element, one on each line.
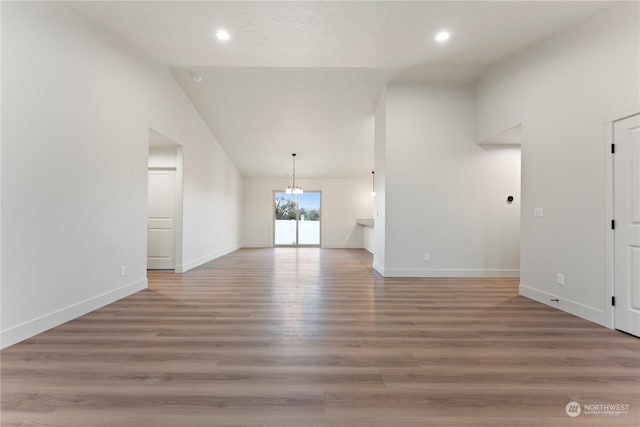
<point>313,337</point>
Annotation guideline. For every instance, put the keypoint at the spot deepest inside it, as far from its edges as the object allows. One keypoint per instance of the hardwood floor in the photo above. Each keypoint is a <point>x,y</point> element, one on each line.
<point>313,337</point>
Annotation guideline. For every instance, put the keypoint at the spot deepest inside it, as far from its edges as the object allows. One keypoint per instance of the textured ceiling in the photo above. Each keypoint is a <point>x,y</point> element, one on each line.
<point>265,114</point>
<point>305,75</point>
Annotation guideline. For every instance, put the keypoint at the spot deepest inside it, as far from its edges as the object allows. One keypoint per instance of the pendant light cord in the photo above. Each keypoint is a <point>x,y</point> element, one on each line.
<point>294,170</point>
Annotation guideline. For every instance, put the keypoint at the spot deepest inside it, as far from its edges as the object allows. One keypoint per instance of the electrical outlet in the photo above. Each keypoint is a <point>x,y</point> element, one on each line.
<point>560,279</point>
<point>538,212</point>
<point>123,270</point>
<point>427,257</point>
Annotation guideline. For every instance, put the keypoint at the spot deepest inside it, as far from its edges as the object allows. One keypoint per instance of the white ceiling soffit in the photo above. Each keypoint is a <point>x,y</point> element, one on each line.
<point>305,76</point>
<point>157,140</point>
<point>512,136</point>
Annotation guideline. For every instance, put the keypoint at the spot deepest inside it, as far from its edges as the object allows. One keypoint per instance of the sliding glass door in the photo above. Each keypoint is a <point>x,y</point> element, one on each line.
<point>297,219</point>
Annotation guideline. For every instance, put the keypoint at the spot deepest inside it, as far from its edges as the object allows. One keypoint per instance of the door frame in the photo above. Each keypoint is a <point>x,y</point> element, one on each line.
<point>178,202</point>
<point>609,268</point>
<point>273,221</point>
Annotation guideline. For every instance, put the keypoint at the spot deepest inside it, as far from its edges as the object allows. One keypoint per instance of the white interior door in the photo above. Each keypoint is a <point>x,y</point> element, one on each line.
<point>160,222</point>
<point>627,225</point>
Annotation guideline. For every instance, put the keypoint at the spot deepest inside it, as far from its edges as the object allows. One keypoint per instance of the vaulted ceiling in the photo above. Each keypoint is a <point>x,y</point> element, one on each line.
<point>304,76</point>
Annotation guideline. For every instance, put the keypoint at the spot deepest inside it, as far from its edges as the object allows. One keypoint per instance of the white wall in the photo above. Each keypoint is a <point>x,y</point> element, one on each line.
<point>77,108</point>
<point>379,212</point>
<point>367,238</point>
<point>562,91</point>
<point>163,157</point>
<point>343,201</point>
<point>445,195</point>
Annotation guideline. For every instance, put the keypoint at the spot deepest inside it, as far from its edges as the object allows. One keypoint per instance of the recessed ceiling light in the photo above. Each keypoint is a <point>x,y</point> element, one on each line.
<point>442,36</point>
<point>222,35</point>
<point>196,77</point>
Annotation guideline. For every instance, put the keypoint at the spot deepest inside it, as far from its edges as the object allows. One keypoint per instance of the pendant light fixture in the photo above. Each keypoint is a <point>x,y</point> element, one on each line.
<point>373,183</point>
<point>294,189</point>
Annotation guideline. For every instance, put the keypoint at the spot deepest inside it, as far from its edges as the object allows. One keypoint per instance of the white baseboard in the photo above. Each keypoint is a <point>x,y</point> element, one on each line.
<point>324,246</point>
<point>377,267</point>
<point>183,268</point>
<point>577,309</point>
<point>447,272</point>
<point>341,246</point>
<point>40,324</point>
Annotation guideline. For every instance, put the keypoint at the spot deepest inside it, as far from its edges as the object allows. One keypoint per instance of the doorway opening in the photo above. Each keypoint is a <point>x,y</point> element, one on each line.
<point>504,196</point>
<point>297,219</point>
<point>164,204</point>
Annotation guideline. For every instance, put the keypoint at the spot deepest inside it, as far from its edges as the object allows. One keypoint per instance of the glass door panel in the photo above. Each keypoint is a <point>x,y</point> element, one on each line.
<point>286,214</point>
<point>309,219</point>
